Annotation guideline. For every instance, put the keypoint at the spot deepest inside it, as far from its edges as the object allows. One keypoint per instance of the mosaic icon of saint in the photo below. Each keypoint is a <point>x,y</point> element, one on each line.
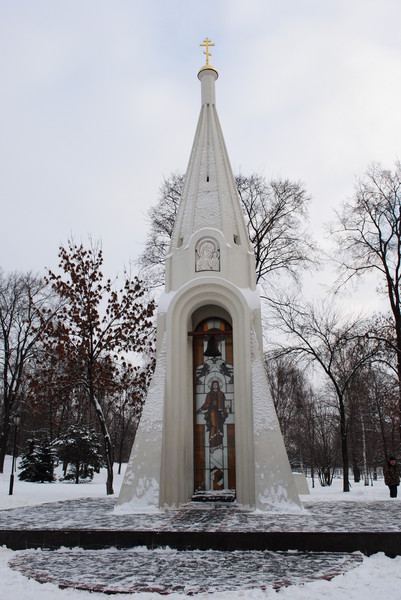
<point>216,412</point>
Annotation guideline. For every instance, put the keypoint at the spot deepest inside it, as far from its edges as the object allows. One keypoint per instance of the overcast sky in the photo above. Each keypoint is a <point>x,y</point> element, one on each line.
<point>100,99</point>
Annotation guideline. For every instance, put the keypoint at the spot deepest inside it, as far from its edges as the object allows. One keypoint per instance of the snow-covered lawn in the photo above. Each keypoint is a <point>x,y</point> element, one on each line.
<point>377,577</point>
<point>29,494</point>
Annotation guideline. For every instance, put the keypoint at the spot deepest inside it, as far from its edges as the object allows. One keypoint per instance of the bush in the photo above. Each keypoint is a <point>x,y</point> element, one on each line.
<point>37,463</point>
<point>80,451</point>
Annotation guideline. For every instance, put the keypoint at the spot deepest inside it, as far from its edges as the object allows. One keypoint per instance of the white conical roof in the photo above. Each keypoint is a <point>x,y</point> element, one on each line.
<point>210,197</point>
<point>210,201</point>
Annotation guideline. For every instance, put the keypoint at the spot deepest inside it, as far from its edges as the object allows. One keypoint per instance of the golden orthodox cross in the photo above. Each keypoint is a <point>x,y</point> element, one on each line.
<point>206,44</point>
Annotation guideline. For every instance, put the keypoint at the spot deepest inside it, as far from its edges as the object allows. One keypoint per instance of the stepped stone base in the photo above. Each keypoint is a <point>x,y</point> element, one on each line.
<point>214,496</point>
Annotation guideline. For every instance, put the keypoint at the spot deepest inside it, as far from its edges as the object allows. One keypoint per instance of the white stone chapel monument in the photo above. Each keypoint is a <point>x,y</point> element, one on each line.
<point>209,425</point>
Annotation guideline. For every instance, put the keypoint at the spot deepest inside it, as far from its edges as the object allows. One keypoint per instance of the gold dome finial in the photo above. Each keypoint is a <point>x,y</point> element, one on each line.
<point>206,43</point>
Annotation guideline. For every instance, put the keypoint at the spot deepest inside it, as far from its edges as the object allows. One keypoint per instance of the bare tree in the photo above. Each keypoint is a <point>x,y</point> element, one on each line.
<point>290,394</point>
<point>308,421</point>
<point>94,331</point>
<point>126,403</point>
<point>378,386</point>
<point>368,235</point>
<point>326,446</point>
<point>321,335</point>
<point>161,219</point>
<point>276,215</point>
<point>22,297</point>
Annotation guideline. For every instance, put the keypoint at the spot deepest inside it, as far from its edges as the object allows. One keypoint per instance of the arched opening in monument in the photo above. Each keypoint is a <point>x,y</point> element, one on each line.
<point>214,411</point>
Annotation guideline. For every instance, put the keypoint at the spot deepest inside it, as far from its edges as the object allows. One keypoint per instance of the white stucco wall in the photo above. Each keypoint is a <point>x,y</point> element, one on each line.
<point>161,467</point>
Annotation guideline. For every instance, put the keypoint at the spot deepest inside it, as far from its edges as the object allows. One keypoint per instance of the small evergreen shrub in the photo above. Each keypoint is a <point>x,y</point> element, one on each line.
<point>80,451</point>
<point>37,463</point>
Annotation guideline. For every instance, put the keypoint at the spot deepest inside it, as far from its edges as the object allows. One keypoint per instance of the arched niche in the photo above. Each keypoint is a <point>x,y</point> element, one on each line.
<point>210,310</point>
<point>213,400</point>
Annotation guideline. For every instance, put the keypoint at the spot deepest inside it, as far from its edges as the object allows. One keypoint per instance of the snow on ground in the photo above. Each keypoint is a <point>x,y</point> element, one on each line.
<point>377,576</point>
<point>29,494</point>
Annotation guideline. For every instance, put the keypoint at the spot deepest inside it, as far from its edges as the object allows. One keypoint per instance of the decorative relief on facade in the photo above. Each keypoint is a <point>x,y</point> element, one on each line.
<point>207,255</point>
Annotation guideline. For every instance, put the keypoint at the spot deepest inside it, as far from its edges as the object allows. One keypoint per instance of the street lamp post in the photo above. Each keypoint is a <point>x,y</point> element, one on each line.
<point>17,421</point>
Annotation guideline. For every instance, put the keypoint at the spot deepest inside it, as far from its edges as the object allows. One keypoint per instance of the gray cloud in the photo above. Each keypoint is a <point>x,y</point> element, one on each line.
<point>100,100</point>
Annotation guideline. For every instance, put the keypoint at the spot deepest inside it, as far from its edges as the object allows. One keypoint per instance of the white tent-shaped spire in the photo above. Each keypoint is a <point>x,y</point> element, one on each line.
<point>209,423</point>
<point>210,198</point>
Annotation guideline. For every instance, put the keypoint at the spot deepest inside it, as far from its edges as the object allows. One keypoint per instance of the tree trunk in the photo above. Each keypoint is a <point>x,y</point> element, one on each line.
<point>4,435</point>
<point>382,430</point>
<point>344,445</point>
<point>312,469</point>
<point>399,385</point>
<point>109,465</point>
<point>394,297</point>
<point>120,458</point>
<point>108,448</point>
<point>3,443</point>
